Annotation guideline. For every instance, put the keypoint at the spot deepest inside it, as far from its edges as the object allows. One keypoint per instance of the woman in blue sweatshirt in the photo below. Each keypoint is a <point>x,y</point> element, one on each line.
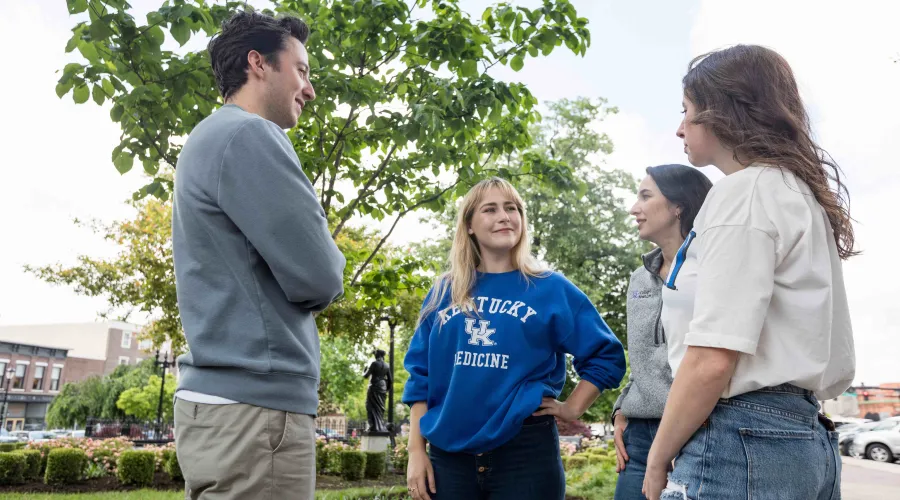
<point>487,362</point>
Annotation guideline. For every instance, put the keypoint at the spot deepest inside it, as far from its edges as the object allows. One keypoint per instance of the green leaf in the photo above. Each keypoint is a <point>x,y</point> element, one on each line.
<point>180,31</point>
<point>156,35</point>
<point>77,6</point>
<point>401,89</point>
<point>469,68</point>
<point>69,71</point>
<point>98,95</point>
<point>100,31</point>
<point>89,52</point>
<point>123,162</point>
<point>108,86</point>
<point>63,89</point>
<point>72,44</point>
<point>81,94</point>
<point>115,114</point>
<point>150,166</point>
<point>517,62</point>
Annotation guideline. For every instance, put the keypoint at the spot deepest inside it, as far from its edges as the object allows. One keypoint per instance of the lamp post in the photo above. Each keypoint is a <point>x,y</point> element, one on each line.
<point>165,363</point>
<point>392,324</point>
<point>9,375</point>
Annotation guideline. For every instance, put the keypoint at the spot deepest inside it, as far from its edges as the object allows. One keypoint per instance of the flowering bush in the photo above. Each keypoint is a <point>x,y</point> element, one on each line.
<point>567,449</point>
<point>593,442</point>
<point>162,454</point>
<point>102,452</point>
<point>401,455</point>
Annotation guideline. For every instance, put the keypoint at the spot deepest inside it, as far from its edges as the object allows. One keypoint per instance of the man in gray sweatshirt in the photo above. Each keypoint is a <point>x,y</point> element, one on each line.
<point>254,261</point>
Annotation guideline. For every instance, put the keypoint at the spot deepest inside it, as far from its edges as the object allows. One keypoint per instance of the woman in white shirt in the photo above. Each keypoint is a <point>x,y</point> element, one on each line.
<point>754,306</point>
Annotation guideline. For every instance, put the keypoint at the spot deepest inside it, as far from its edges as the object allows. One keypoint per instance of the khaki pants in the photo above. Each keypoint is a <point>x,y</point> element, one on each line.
<point>238,451</point>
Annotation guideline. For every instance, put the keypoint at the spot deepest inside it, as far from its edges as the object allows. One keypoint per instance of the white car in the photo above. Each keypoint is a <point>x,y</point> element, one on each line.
<point>881,444</point>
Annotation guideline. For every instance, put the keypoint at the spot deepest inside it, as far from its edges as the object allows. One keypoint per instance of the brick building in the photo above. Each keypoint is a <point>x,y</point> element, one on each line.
<point>30,377</point>
<point>883,400</point>
<point>93,348</point>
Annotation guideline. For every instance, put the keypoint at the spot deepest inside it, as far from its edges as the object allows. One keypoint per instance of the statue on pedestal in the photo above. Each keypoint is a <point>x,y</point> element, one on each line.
<point>380,373</point>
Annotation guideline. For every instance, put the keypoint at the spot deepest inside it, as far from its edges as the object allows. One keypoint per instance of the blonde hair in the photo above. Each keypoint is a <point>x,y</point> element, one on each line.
<point>465,255</point>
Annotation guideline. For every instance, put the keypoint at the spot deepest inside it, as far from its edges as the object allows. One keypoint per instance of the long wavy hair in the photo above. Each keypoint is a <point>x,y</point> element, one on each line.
<point>747,96</point>
<point>465,253</point>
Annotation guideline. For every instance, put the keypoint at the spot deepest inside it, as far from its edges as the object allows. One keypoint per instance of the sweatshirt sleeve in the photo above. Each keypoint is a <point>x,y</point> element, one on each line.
<point>599,356</point>
<point>618,404</point>
<point>269,198</point>
<point>416,361</point>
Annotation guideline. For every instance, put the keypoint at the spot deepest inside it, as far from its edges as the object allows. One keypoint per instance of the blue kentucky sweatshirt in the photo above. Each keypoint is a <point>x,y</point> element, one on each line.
<point>482,372</point>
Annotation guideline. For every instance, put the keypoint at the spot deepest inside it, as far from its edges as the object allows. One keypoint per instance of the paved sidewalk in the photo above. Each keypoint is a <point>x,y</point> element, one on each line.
<point>868,480</point>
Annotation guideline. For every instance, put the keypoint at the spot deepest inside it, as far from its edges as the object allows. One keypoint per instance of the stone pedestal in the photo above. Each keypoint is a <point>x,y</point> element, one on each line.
<point>375,441</point>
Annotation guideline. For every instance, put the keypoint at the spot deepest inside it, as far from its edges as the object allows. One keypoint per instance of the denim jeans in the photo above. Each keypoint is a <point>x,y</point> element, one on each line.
<point>768,444</point>
<point>638,437</point>
<point>528,467</point>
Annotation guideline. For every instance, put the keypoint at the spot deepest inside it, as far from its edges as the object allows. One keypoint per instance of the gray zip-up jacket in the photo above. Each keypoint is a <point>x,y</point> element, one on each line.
<point>644,396</point>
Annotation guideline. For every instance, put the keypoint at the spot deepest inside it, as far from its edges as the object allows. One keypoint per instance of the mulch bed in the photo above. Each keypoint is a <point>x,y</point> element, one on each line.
<point>162,481</point>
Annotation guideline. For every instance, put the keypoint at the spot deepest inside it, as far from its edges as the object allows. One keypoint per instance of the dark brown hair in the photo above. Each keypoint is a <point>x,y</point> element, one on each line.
<point>246,31</point>
<point>747,96</point>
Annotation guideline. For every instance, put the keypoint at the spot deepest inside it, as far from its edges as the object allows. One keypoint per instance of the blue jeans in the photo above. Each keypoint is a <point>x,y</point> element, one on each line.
<point>638,437</point>
<point>767,444</point>
<point>528,467</point>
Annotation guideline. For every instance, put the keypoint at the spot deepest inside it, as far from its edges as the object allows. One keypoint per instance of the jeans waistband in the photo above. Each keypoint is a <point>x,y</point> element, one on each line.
<point>789,388</point>
<point>531,420</point>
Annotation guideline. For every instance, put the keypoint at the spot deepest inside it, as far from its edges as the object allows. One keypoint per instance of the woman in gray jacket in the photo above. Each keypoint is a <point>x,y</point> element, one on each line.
<point>667,202</point>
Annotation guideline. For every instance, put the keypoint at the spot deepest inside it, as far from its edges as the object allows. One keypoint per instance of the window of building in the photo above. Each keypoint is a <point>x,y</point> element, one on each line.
<point>126,340</point>
<point>38,383</point>
<point>54,378</point>
<point>18,381</point>
<point>124,360</point>
<point>145,345</point>
<point>3,372</point>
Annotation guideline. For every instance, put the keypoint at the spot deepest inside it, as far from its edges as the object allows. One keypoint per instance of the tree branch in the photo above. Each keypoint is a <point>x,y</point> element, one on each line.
<point>394,225</point>
<point>363,192</point>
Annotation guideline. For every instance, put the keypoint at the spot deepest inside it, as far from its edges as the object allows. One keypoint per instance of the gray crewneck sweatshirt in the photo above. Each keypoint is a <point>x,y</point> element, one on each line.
<point>253,261</point>
<point>644,396</point>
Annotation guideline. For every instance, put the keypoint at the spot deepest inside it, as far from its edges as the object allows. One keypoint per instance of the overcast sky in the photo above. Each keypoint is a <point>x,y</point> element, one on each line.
<point>56,155</point>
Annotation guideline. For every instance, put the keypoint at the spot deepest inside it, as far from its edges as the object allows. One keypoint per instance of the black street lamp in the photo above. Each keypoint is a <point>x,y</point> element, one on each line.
<point>392,324</point>
<point>9,375</point>
<point>165,363</point>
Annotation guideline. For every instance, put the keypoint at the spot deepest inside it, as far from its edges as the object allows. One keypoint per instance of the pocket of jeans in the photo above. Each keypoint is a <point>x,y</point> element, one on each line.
<point>781,462</point>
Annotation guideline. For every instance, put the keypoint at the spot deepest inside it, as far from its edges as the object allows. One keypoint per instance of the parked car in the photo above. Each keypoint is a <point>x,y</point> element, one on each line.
<point>848,432</point>
<point>882,443</point>
<point>6,437</point>
<point>40,436</point>
<point>20,435</point>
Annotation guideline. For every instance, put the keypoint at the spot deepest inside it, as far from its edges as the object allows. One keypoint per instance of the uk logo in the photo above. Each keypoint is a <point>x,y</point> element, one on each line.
<point>481,334</point>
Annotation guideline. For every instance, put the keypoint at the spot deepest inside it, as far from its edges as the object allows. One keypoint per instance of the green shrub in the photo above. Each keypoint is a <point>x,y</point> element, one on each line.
<point>136,467</point>
<point>375,464</point>
<point>65,466</point>
<point>593,481</point>
<point>166,455</point>
<point>576,462</point>
<point>33,464</point>
<point>45,454</point>
<point>7,447</point>
<point>320,457</point>
<point>172,466</point>
<point>12,468</point>
<point>353,463</point>
<point>565,462</point>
